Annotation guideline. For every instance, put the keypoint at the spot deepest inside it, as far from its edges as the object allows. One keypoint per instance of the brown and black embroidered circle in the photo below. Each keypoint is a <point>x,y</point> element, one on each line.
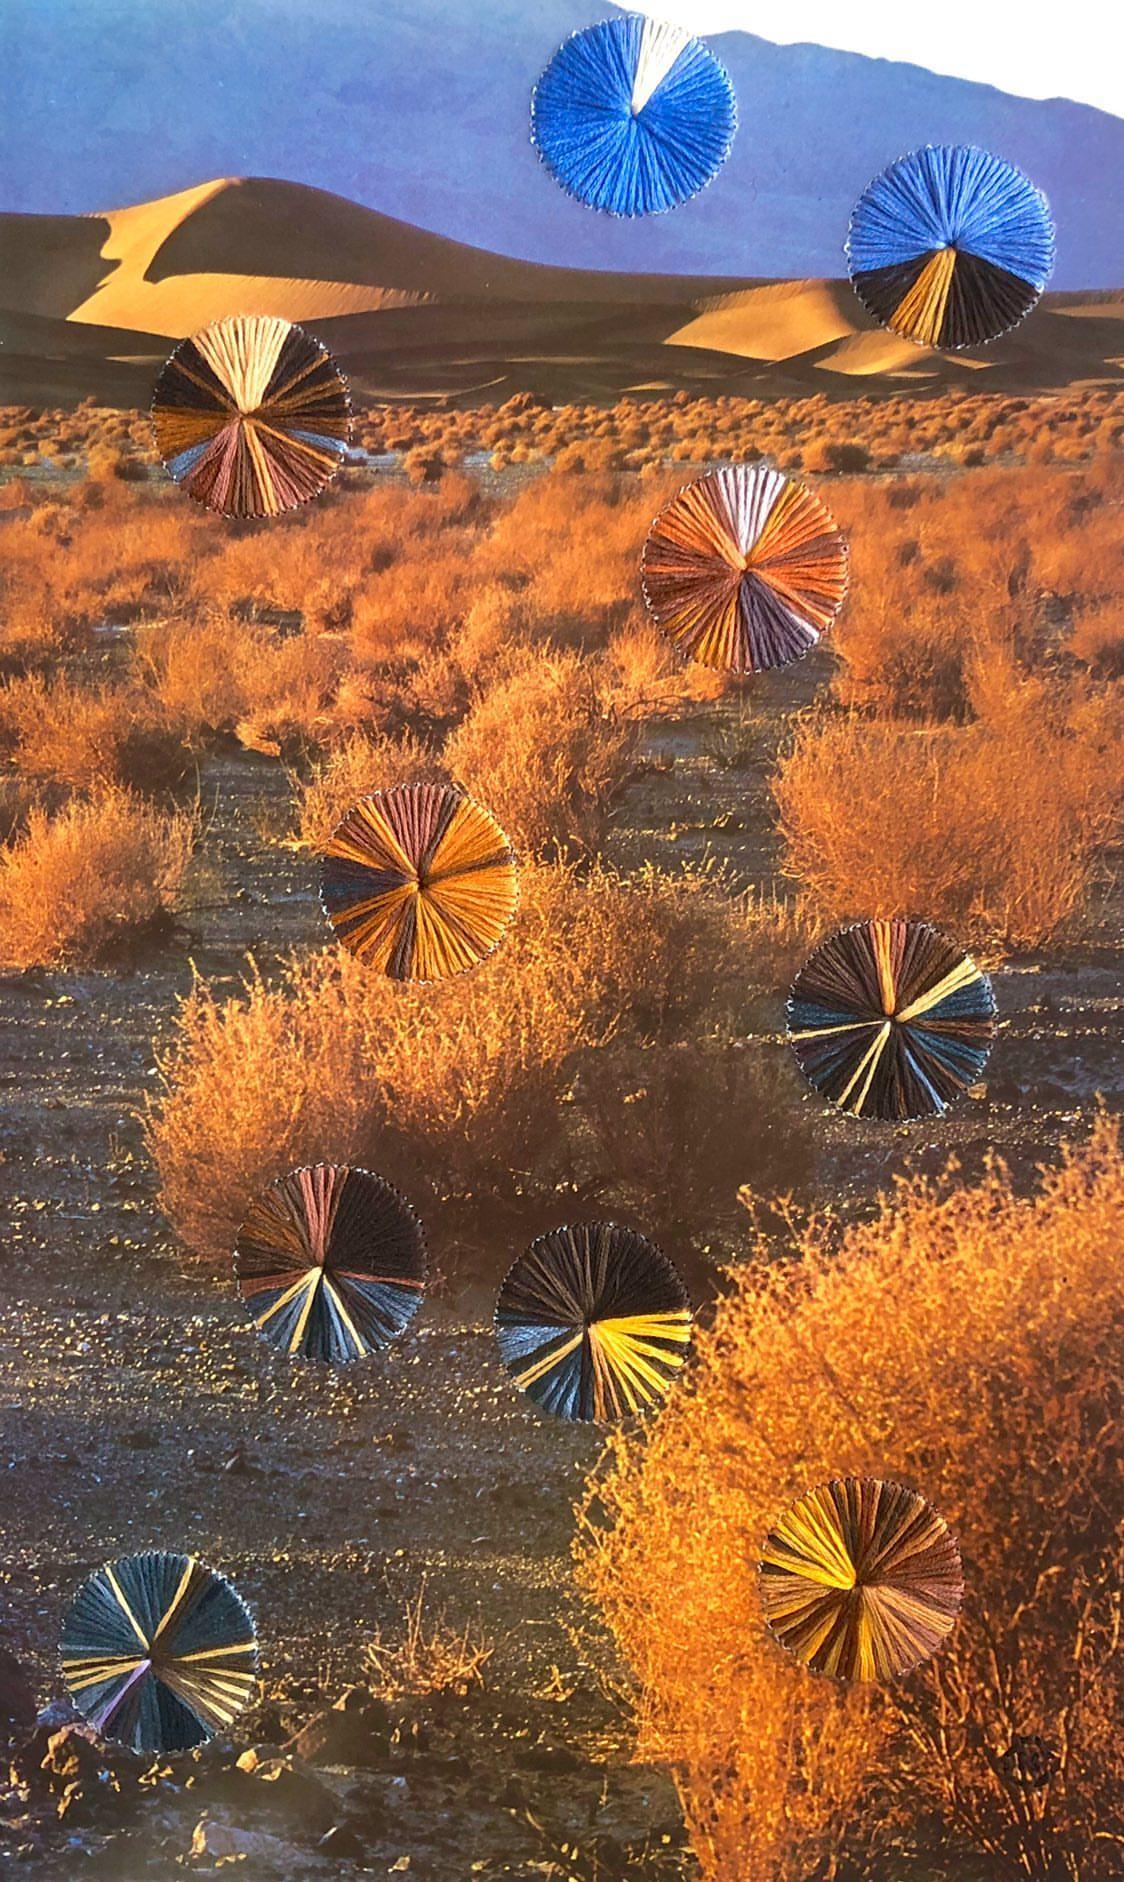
<point>331,1263</point>
<point>251,416</point>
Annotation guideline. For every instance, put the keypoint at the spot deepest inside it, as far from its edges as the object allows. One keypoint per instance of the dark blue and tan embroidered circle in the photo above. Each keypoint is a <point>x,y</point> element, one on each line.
<point>251,416</point>
<point>331,1263</point>
<point>950,246</point>
<point>419,882</point>
<point>633,116</point>
<point>158,1652</point>
<point>593,1322</point>
<point>890,1019</point>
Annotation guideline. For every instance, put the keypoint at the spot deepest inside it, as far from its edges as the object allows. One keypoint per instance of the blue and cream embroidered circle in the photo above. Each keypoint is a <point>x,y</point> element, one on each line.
<point>633,116</point>
<point>593,1322</point>
<point>950,246</point>
<point>331,1263</point>
<point>158,1652</point>
<point>891,1019</point>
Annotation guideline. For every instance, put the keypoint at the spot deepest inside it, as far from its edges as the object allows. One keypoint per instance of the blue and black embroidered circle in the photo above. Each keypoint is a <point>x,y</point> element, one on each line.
<point>950,246</point>
<point>593,1322</point>
<point>331,1263</point>
<point>633,116</point>
<point>158,1652</point>
<point>890,1019</point>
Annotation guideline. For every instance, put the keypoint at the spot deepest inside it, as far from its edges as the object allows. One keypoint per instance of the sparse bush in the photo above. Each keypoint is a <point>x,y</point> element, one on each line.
<point>967,1343</point>
<point>546,753</point>
<point>449,1089</point>
<point>75,885</point>
<point>993,828</point>
<point>427,1656</point>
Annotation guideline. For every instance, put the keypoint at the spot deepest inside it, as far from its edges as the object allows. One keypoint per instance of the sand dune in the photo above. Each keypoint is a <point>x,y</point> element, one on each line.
<point>414,313</point>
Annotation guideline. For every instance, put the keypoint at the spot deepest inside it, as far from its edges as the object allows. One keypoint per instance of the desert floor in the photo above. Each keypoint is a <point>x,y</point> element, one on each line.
<point>142,1411</point>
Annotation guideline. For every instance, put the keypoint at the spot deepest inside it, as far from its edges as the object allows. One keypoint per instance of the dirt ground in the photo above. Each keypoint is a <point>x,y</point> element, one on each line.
<point>140,1409</point>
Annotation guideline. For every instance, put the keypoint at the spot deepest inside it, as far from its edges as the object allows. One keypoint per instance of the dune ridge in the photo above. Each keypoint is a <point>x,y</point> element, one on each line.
<point>413,313</point>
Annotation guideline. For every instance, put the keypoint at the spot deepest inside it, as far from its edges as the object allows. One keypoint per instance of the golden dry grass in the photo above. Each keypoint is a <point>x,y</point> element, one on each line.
<point>963,1341</point>
<point>465,1089</point>
<point>75,885</point>
<point>995,828</point>
<point>427,1655</point>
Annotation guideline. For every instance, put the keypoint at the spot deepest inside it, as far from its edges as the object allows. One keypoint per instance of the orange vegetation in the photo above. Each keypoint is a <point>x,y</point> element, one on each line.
<point>74,885</point>
<point>996,828</point>
<point>966,1343</point>
<point>451,1088</point>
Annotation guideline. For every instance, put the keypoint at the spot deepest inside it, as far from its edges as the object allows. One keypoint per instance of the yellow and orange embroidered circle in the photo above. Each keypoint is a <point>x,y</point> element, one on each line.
<point>593,1322</point>
<point>251,416</point>
<point>861,1579</point>
<point>419,882</point>
<point>744,569</point>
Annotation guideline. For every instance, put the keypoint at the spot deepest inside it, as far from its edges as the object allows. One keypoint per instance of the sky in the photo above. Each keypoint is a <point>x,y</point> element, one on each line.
<point>420,109</point>
<point>1017,47</point>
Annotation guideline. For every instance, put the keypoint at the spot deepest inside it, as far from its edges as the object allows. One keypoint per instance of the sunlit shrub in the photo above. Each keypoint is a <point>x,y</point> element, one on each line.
<point>965,1342</point>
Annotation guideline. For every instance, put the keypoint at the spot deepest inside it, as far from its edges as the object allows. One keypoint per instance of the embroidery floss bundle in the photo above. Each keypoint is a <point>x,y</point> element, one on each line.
<point>593,1322</point>
<point>633,116</point>
<point>890,1019</point>
<point>861,1579</point>
<point>950,246</point>
<point>331,1263</point>
<point>744,569</point>
<point>419,882</point>
<point>251,416</point>
<point>158,1652</point>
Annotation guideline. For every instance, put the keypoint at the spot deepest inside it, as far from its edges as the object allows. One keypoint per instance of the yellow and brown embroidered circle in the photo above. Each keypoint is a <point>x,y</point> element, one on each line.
<point>251,416</point>
<point>419,882</point>
<point>744,569</point>
<point>861,1579</point>
<point>593,1322</point>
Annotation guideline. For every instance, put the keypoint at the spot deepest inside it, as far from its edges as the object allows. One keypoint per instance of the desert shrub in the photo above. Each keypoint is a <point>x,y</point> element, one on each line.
<point>62,731</point>
<point>965,1342</point>
<point>546,752</point>
<point>75,885</point>
<point>359,765</point>
<point>644,677</point>
<point>987,565</point>
<point>1097,640</point>
<point>463,1089</point>
<point>994,828</point>
<point>426,1655</point>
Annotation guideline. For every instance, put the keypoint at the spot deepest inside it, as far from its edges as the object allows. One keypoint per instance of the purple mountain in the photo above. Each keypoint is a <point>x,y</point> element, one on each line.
<point>421,111</point>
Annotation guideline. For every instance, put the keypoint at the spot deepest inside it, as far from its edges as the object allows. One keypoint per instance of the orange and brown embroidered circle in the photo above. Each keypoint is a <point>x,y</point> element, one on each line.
<point>744,569</point>
<point>419,882</point>
<point>251,416</point>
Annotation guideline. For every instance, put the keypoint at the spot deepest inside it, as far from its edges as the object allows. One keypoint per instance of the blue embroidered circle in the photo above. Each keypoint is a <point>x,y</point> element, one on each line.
<point>950,246</point>
<point>633,116</point>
